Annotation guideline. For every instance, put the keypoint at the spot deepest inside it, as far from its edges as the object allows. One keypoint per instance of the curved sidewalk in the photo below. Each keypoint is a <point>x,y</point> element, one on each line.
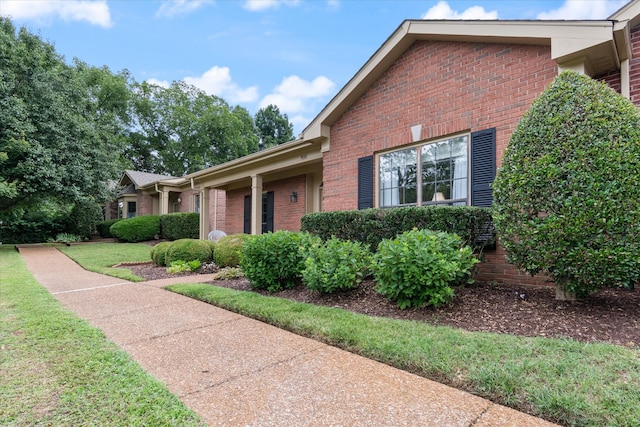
<point>234,371</point>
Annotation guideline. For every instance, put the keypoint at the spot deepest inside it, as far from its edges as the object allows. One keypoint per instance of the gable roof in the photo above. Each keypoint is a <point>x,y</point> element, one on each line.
<point>141,179</point>
<point>599,44</point>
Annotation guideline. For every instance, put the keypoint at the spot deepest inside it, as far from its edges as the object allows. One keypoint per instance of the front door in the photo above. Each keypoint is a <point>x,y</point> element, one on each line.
<point>267,213</point>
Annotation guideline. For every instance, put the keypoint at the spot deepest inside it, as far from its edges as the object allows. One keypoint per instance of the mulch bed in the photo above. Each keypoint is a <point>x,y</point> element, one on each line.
<point>611,315</point>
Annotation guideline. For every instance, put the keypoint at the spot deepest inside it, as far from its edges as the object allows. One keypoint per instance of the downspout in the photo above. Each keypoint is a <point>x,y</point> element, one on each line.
<point>159,198</point>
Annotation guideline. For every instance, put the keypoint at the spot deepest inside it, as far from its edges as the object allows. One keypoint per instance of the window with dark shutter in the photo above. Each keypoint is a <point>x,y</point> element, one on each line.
<point>365,182</point>
<point>483,166</point>
<point>247,214</point>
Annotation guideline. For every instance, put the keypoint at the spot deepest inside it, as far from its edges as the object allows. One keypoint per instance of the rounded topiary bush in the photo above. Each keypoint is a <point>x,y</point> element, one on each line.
<point>228,250</point>
<point>104,226</point>
<point>335,265</point>
<point>274,261</point>
<point>420,266</point>
<point>159,253</point>
<point>188,250</point>
<point>137,229</point>
<point>566,197</point>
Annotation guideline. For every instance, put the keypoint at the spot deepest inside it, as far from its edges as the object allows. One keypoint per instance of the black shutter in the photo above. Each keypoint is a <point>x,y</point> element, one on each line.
<point>483,166</point>
<point>365,182</point>
<point>268,226</point>
<point>247,214</point>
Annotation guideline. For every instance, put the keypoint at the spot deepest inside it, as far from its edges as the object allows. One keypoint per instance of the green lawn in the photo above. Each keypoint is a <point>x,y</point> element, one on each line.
<point>564,381</point>
<point>57,370</point>
<point>100,257</point>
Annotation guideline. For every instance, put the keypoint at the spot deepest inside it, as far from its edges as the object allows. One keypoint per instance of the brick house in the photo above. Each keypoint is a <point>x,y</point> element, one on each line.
<point>425,121</point>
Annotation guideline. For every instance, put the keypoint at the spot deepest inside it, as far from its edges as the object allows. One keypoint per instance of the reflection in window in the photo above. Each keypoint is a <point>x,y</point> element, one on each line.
<point>444,172</point>
<point>398,178</point>
<point>435,173</point>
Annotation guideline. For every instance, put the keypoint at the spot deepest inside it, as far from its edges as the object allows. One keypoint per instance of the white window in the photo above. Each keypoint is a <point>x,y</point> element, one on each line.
<point>435,173</point>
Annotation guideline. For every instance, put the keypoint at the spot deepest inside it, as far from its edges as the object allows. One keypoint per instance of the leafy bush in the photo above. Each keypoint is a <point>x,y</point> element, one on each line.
<point>370,226</point>
<point>137,229</point>
<point>183,266</point>
<point>566,198</point>
<point>85,216</point>
<point>420,266</point>
<point>228,250</point>
<point>104,226</point>
<point>274,261</point>
<point>159,253</point>
<point>188,250</point>
<point>66,238</point>
<point>181,225</point>
<point>228,273</point>
<point>336,265</point>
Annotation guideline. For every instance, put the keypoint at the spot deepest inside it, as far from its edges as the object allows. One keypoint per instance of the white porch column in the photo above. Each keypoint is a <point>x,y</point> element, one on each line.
<point>204,213</point>
<point>163,202</point>
<point>256,204</point>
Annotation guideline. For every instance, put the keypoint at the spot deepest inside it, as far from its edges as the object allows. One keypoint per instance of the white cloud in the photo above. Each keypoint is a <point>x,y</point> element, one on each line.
<point>93,12</point>
<point>584,9</point>
<point>170,8</point>
<point>295,95</point>
<point>442,10</point>
<point>260,5</point>
<point>217,81</point>
<point>162,83</point>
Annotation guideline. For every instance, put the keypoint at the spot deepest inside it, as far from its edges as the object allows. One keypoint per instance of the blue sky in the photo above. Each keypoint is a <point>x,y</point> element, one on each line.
<point>296,54</point>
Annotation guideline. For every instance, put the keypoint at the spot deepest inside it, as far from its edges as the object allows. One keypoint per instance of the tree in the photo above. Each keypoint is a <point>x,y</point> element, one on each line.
<point>272,126</point>
<point>180,130</point>
<point>566,199</point>
<point>52,142</point>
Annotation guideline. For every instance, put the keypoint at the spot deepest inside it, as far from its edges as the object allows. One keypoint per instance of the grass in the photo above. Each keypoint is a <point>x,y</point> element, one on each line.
<point>564,381</point>
<point>100,257</point>
<point>58,370</point>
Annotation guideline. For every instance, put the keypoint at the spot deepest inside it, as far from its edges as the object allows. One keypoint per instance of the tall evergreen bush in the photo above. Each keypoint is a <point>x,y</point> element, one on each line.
<point>567,199</point>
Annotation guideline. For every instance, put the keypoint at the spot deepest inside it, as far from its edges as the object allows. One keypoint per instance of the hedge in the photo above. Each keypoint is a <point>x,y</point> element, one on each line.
<point>181,225</point>
<point>104,226</point>
<point>370,226</point>
<point>137,229</point>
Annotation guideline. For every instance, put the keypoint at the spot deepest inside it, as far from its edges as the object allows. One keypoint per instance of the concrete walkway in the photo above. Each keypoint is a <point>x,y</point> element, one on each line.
<point>236,371</point>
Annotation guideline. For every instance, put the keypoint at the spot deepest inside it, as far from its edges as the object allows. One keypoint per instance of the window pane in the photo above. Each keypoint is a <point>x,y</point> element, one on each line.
<point>444,171</point>
<point>398,178</point>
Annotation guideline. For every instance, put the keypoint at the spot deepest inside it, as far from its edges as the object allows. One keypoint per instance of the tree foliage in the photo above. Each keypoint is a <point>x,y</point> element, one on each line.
<point>180,130</point>
<point>566,199</point>
<point>272,126</point>
<point>56,138</point>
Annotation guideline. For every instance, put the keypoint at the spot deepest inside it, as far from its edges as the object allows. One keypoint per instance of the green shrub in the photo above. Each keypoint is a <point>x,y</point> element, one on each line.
<point>183,266</point>
<point>228,250</point>
<point>85,216</point>
<point>274,261</point>
<point>370,226</point>
<point>336,265</point>
<point>420,266</point>
<point>228,273</point>
<point>159,253</point>
<point>566,197</point>
<point>104,226</point>
<point>137,229</point>
<point>66,238</point>
<point>181,225</point>
<point>188,250</point>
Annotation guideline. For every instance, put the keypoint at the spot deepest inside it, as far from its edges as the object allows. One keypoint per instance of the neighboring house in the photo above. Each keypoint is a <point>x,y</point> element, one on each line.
<point>425,121</point>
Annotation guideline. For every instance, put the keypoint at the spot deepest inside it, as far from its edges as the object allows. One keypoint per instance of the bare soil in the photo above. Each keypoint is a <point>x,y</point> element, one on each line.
<point>611,315</point>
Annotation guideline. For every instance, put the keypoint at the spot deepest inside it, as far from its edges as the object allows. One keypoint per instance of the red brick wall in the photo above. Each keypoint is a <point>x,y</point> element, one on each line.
<point>144,204</point>
<point>286,214</point>
<point>447,87</point>
<point>634,66</point>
